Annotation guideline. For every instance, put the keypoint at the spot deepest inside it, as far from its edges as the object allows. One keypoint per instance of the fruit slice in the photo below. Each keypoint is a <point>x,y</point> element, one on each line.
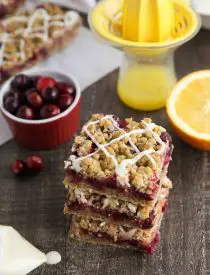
<point>188,109</point>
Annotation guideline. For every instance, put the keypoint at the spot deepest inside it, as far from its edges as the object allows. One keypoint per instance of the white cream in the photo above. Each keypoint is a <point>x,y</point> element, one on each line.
<point>53,258</point>
<point>18,256</point>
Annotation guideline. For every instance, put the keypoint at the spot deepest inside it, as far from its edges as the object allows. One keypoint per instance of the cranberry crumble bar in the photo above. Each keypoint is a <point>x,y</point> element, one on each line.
<point>90,230</point>
<point>31,36</point>
<point>117,176</point>
<point>85,201</point>
<point>9,6</point>
<point>126,159</point>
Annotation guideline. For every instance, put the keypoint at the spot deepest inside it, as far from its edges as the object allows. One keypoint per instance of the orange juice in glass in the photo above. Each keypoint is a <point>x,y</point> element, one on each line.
<point>146,80</point>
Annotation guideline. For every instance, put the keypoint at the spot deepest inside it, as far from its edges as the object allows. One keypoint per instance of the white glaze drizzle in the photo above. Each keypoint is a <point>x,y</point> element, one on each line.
<point>53,258</point>
<point>69,18</point>
<point>120,169</point>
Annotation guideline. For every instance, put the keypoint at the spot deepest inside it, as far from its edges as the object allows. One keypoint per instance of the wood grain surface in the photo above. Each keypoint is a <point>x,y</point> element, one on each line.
<point>34,205</point>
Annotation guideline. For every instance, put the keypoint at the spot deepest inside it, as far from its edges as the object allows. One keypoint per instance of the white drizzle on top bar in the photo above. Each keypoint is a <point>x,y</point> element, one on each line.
<point>120,169</point>
<point>42,32</point>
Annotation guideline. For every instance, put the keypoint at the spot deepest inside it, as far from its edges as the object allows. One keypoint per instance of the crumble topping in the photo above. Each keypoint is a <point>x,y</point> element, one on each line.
<point>23,34</point>
<point>134,151</point>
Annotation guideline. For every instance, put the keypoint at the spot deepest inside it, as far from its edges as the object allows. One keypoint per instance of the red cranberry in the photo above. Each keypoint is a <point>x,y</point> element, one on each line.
<point>49,110</point>
<point>21,98</point>
<point>34,163</point>
<point>35,79</point>
<point>21,82</point>
<point>25,112</point>
<point>11,104</point>
<point>65,101</point>
<point>65,88</point>
<point>18,167</point>
<point>11,94</point>
<point>50,94</point>
<point>45,82</point>
<point>35,100</point>
<point>32,90</point>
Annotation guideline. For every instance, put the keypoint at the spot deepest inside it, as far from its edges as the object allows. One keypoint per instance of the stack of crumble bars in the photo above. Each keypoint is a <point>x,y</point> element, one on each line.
<point>117,182</point>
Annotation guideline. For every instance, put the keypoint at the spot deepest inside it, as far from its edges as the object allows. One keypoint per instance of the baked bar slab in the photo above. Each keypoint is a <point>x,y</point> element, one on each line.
<point>120,158</point>
<point>85,228</point>
<point>9,6</point>
<point>32,36</point>
<point>84,201</point>
<point>83,235</point>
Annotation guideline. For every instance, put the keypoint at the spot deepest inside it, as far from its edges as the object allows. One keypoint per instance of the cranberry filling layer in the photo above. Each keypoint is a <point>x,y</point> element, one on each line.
<point>111,182</point>
<point>150,248</point>
<point>113,215</point>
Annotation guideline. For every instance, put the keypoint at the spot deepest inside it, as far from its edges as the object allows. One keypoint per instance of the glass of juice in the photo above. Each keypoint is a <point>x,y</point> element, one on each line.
<point>146,78</point>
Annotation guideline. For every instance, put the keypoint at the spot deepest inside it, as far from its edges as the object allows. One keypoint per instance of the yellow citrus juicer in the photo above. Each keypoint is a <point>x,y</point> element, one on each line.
<point>148,31</point>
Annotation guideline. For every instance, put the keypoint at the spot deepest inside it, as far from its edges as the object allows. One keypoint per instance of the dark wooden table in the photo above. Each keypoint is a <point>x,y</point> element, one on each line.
<point>34,206</point>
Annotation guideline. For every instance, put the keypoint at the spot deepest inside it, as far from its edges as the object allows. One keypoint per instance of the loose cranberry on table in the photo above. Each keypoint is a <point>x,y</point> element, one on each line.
<point>18,167</point>
<point>34,163</point>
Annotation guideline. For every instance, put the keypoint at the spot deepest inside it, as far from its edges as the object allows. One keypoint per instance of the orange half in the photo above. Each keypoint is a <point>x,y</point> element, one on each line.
<point>188,109</point>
